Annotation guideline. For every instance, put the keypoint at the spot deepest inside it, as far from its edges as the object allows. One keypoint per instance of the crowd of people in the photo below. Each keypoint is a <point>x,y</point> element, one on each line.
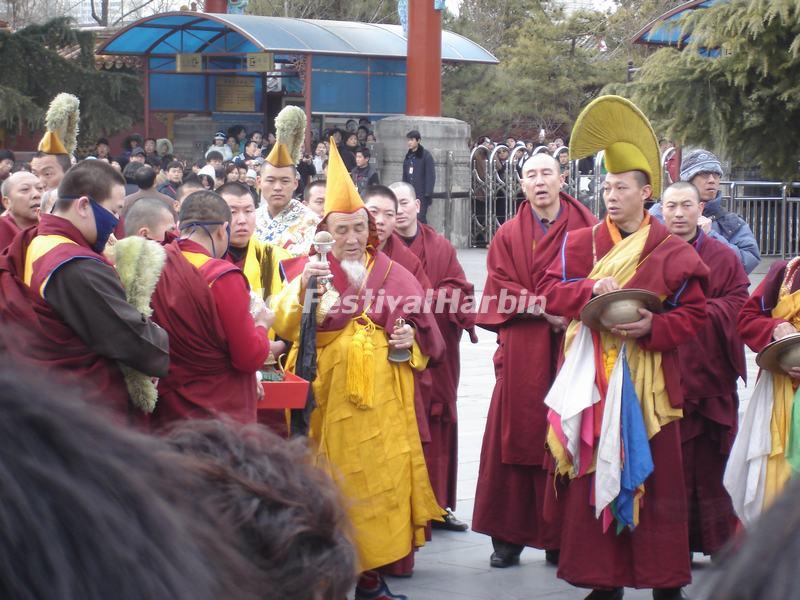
<point>161,306</point>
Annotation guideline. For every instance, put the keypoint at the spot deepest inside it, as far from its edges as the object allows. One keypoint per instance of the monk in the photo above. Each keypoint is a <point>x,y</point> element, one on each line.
<point>204,304</point>
<point>364,424</point>
<point>759,469</point>
<point>513,475</point>
<point>646,545</point>
<point>150,218</point>
<point>710,364</point>
<point>456,314</point>
<point>62,305</point>
<point>260,263</point>
<point>22,197</point>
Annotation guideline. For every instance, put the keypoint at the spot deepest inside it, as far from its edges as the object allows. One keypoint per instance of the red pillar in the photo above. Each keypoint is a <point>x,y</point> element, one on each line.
<point>307,102</point>
<point>216,6</point>
<point>424,66</point>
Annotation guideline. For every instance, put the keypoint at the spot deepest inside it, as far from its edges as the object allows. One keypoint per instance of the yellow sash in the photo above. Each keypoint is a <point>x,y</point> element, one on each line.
<point>252,266</point>
<point>778,469</point>
<point>621,263</point>
<point>39,246</point>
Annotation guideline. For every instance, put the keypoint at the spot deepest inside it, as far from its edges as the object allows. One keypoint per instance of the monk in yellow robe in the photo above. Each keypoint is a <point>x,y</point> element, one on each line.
<point>364,426</point>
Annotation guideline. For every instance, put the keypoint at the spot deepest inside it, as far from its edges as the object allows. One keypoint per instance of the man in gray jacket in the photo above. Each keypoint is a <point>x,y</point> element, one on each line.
<point>703,170</point>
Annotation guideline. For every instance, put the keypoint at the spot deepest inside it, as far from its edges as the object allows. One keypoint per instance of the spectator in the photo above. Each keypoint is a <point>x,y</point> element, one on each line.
<point>314,197</point>
<point>208,177</point>
<point>288,513</point>
<point>562,155</point>
<point>144,177</point>
<point>269,145</point>
<point>305,172</point>
<point>164,147</point>
<point>6,163</point>
<point>364,175</point>
<point>219,176</point>
<point>348,150</point>
<point>251,156</point>
<point>239,133</point>
<point>220,146</point>
<point>138,155</point>
<point>233,145</point>
<point>703,170</point>
<point>129,173</point>
<point>231,172</point>
<point>197,165</point>
<point>419,171</point>
<point>149,148</point>
<point>174,179</point>
<point>258,138</point>
<point>320,154</point>
<point>362,133</point>
<point>214,158</point>
<point>101,149</point>
<point>371,138</point>
<point>190,184</point>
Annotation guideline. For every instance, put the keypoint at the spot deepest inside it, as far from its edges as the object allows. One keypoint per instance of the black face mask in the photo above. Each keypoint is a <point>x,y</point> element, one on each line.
<point>204,226</point>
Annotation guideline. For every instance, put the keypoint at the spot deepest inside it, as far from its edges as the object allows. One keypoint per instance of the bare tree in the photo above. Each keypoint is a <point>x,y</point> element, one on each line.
<point>19,13</point>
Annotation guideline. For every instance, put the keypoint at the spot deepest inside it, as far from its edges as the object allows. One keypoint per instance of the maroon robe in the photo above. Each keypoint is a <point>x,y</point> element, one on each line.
<point>756,323</point>
<point>8,229</point>
<point>203,381</point>
<point>449,284</point>
<point>34,335</point>
<point>509,500</point>
<point>656,553</point>
<point>711,363</point>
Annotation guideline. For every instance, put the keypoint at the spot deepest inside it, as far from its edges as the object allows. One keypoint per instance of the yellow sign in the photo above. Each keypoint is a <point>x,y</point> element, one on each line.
<point>260,62</point>
<point>236,94</point>
<point>188,63</point>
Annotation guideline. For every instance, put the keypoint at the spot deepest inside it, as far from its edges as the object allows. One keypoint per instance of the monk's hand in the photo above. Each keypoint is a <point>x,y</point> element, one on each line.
<point>556,323</point>
<point>314,269</point>
<point>277,347</point>
<point>604,286</point>
<point>264,317</point>
<point>402,338</point>
<point>637,329</point>
<point>782,330</point>
<point>704,223</point>
<point>259,390</point>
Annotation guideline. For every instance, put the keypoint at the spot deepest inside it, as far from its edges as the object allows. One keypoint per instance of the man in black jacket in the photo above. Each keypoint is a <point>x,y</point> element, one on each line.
<point>420,172</point>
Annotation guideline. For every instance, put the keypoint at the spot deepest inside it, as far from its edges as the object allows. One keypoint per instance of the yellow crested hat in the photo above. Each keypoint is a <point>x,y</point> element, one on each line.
<point>340,192</point>
<point>616,125</point>
<point>62,125</point>
<point>279,156</point>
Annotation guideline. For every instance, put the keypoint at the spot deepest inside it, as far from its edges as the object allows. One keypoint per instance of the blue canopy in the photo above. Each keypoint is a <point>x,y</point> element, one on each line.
<point>206,33</point>
<point>666,29</point>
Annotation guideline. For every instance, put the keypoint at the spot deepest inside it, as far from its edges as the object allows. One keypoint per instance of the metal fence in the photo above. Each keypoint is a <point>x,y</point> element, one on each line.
<point>770,208</point>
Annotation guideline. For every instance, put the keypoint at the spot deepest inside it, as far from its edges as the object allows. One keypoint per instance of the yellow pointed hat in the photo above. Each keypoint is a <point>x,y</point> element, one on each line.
<point>62,125</point>
<point>340,192</point>
<point>617,126</point>
<point>279,156</point>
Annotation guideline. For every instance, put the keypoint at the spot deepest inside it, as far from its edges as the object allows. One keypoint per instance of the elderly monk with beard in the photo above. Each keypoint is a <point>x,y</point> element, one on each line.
<point>513,475</point>
<point>364,425</point>
<point>22,197</point>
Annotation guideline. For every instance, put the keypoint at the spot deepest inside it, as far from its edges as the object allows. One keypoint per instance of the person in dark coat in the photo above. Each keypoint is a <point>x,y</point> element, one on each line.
<point>419,171</point>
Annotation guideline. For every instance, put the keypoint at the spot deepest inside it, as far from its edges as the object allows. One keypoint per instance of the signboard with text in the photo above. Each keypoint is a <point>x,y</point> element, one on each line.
<point>236,94</point>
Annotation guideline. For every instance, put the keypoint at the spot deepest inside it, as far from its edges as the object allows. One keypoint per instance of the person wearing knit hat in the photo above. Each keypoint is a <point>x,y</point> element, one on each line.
<point>625,513</point>
<point>703,170</point>
<point>364,425</point>
<point>281,219</point>
<point>220,146</point>
<point>53,155</point>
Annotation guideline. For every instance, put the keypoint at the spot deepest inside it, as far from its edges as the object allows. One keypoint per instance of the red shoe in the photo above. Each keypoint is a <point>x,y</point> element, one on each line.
<point>371,586</point>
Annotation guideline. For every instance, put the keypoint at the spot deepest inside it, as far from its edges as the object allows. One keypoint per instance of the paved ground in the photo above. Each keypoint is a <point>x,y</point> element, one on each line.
<point>455,566</point>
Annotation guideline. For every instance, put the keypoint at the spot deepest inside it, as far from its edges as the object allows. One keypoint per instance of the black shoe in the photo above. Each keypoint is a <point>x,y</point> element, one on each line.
<point>451,523</point>
<point>552,556</point>
<point>381,592</point>
<point>502,561</point>
<point>669,594</point>
<point>615,594</point>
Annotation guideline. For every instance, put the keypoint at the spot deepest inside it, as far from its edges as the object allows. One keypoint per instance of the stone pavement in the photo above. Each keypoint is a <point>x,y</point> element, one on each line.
<point>455,566</point>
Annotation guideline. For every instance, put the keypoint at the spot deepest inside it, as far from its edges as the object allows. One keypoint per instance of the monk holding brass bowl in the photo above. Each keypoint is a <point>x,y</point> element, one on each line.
<point>620,307</point>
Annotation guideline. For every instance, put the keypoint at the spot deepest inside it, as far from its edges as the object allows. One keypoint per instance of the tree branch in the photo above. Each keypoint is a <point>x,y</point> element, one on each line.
<point>133,10</point>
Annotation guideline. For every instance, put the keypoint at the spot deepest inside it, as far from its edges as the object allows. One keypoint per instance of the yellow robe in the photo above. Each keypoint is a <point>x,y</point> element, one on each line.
<point>254,265</point>
<point>375,453</point>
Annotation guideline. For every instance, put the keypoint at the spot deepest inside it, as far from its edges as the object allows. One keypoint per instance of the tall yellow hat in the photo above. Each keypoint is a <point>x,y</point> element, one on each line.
<point>340,192</point>
<point>290,133</point>
<point>617,126</point>
<point>62,125</point>
<point>279,156</point>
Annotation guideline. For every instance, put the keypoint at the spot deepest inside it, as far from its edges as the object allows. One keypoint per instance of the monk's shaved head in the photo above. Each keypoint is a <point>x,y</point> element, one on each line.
<point>204,207</point>
<point>539,160</point>
<point>681,186</point>
<point>149,213</point>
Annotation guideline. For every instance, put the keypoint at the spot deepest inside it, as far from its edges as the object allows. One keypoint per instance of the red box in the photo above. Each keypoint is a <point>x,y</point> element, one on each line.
<point>289,393</point>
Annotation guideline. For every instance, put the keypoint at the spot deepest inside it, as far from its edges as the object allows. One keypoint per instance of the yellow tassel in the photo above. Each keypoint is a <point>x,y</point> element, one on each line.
<point>361,365</point>
<point>610,359</point>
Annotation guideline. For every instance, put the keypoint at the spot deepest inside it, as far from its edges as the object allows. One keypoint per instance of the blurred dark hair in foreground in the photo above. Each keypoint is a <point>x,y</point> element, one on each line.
<point>93,511</point>
<point>766,564</point>
<point>287,512</point>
